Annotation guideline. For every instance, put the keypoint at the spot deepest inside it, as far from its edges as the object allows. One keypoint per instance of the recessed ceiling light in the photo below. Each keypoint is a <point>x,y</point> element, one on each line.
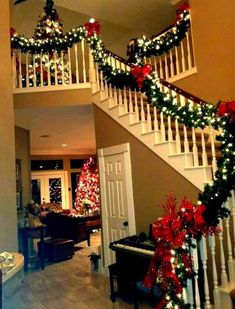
<point>45,136</point>
<point>64,145</point>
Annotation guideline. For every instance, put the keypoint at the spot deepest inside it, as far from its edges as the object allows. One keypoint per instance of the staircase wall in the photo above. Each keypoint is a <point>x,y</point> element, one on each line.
<point>213,28</point>
<point>153,179</point>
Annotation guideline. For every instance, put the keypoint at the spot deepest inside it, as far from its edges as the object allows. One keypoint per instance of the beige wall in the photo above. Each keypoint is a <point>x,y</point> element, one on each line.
<point>8,216</point>
<point>213,26</point>
<point>152,178</point>
<point>22,150</point>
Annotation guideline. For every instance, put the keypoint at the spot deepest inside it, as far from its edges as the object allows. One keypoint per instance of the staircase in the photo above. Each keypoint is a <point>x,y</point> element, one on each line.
<point>194,153</point>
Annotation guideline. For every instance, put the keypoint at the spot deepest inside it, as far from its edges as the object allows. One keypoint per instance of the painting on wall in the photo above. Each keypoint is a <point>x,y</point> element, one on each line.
<point>18,187</point>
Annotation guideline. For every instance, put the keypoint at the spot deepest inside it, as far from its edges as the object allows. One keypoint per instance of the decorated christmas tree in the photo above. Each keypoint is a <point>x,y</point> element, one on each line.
<point>51,66</point>
<point>87,192</point>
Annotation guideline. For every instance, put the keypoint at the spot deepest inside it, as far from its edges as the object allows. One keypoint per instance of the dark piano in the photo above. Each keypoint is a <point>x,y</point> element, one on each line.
<point>133,255</point>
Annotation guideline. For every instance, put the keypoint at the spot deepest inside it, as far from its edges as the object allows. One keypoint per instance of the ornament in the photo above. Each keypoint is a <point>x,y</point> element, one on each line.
<point>140,73</point>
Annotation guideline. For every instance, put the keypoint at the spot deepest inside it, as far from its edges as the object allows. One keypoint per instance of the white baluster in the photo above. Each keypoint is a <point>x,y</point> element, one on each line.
<point>232,206</point>
<point>186,144</point>
<point>214,161</point>
<point>214,272</point>
<point>41,71</point>
<point>224,276</point>
<point>194,254</point>
<point>62,66</point>
<point>13,62</point>
<point>161,68</point>
<point>169,131</point>
<point>229,246</point>
<point>171,64</point>
<point>83,61</point>
<point>177,137</point>
<point>149,119</point>
<point>204,154</point>
<point>27,69</point>
<point>182,56</point>
<point>69,65</point>
<point>34,72</point>
<point>166,67</point>
<point>120,99</point>
<point>115,95</point>
<point>137,116</point>
<point>101,81</point>
<point>203,252</point>
<point>130,101</point>
<point>177,60</point>
<point>97,76</point>
<point>189,56</point>
<point>56,73</point>
<point>125,100</point>
<point>195,149</point>
<point>142,113</point>
<point>76,63</point>
<point>162,128</point>
<point>20,70</point>
<point>49,71</point>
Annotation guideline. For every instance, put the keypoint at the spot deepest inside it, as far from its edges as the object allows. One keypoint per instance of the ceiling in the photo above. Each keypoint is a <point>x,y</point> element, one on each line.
<point>120,21</point>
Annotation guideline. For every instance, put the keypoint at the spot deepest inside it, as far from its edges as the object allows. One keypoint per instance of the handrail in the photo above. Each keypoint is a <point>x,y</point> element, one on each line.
<point>125,61</point>
<point>186,94</point>
<point>161,32</point>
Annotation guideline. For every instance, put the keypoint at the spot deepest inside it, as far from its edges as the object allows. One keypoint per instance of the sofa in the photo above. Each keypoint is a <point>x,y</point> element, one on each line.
<point>62,226</point>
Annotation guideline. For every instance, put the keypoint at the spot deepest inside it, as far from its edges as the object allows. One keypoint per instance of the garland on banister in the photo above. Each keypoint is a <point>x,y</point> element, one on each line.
<point>145,47</point>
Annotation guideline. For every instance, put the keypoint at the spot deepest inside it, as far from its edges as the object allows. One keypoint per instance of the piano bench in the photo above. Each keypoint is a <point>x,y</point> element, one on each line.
<point>113,275</point>
<point>153,295</point>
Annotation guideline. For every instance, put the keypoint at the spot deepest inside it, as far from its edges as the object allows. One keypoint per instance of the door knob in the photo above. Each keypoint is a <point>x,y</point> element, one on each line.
<point>125,223</point>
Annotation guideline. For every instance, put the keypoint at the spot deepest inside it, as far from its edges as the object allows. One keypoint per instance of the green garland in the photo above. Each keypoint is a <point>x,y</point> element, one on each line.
<point>155,47</point>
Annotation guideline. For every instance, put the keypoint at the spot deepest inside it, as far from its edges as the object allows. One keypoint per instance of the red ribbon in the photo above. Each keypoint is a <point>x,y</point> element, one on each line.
<point>180,10</point>
<point>140,74</point>
<point>226,108</point>
<point>92,27</point>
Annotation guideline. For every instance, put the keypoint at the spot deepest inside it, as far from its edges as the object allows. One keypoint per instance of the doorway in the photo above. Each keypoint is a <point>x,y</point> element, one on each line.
<point>50,187</point>
<point>117,203</point>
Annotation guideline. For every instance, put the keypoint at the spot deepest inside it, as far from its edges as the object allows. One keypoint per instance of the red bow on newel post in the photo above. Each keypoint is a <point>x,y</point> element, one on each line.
<point>92,27</point>
<point>182,8</point>
<point>140,74</point>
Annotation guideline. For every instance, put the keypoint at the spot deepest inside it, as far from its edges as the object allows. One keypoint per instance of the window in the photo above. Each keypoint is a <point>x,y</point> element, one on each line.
<point>41,165</point>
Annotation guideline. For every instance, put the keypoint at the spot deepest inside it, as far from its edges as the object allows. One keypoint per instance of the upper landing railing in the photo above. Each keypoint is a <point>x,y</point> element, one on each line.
<point>70,69</point>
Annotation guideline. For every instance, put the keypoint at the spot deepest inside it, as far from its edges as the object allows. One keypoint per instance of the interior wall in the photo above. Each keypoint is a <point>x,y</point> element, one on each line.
<point>8,216</point>
<point>22,150</point>
<point>152,178</point>
<point>213,26</point>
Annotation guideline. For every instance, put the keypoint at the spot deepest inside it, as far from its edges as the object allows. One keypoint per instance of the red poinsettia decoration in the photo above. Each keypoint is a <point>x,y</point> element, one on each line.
<point>225,108</point>
<point>171,234</point>
<point>92,27</point>
<point>140,73</point>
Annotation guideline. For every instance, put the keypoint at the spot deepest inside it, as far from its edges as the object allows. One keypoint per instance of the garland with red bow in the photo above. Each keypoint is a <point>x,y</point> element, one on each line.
<point>171,264</point>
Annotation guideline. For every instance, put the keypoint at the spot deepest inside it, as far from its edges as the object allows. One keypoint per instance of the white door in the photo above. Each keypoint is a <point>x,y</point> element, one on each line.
<point>117,206</point>
<point>50,187</point>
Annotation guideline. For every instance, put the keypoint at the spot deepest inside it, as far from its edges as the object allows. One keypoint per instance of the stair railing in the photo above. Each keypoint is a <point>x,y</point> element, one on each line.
<point>178,63</point>
<point>54,70</point>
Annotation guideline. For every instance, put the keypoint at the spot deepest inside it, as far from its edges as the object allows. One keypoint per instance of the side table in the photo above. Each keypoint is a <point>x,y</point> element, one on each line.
<point>32,233</point>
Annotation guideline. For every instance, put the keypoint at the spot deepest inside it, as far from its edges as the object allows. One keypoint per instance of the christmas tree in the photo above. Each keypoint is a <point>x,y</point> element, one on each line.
<point>52,66</point>
<point>87,192</point>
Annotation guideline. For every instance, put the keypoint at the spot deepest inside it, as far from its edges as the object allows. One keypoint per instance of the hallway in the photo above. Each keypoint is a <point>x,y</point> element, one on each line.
<point>67,284</point>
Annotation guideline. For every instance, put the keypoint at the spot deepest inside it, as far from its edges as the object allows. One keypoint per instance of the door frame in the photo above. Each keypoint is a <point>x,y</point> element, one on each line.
<point>102,153</point>
<point>64,176</point>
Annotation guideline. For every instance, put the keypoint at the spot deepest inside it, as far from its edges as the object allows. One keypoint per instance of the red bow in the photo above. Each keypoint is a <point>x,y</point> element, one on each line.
<point>225,108</point>
<point>180,10</point>
<point>12,32</point>
<point>92,27</point>
<point>140,74</point>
